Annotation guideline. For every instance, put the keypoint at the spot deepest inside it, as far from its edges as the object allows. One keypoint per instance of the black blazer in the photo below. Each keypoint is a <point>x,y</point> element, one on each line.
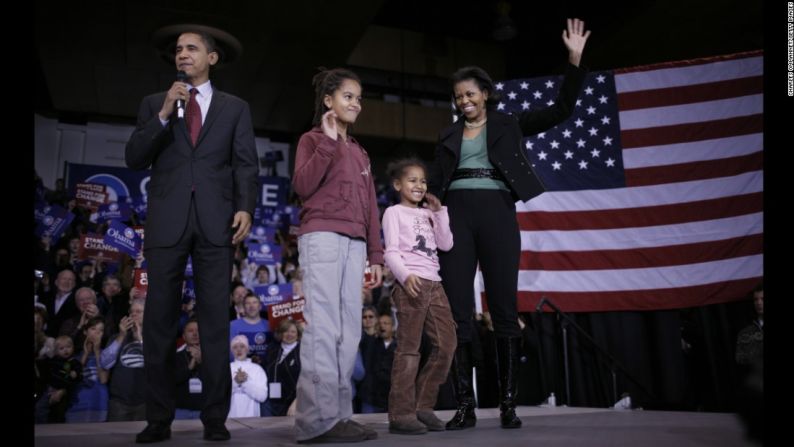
<point>288,371</point>
<point>222,168</point>
<point>504,133</point>
<point>55,320</point>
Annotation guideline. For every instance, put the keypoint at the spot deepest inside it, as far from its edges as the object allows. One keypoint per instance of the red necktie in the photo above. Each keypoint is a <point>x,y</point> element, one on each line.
<point>193,117</point>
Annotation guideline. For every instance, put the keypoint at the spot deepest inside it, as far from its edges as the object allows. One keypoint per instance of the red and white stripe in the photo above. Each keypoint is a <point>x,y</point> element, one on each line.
<point>688,228</point>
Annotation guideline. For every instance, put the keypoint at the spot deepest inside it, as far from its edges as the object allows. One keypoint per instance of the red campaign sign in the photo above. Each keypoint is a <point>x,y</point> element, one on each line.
<point>139,230</point>
<point>140,280</point>
<point>292,309</point>
<point>141,233</point>
<point>90,195</point>
<point>93,246</point>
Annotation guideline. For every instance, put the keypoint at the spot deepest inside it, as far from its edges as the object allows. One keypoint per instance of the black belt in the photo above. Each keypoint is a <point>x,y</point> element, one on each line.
<point>462,173</point>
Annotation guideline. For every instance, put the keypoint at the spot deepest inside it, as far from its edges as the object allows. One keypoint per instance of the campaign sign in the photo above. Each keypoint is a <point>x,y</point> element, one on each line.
<point>93,246</point>
<point>188,291</point>
<point>139,230</point>
<point>263,254</point>
<point>274,191</point>
<point>189,267</point>
<point>273,293</point>
<point>140,280</point>
<point>269,216</point>
<point>262,233</point>
<point>292,214</point>
<point>42,209</point>
<point>139,205</point>
<point>90,195</point>
<point>124,238</point>
<point>119,211</point>
<point>54,221</point>
<point>292,309</point>
<point>120,182</point>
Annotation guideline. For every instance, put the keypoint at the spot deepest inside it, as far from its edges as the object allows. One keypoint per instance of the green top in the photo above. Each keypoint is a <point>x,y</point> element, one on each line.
<point>474,155</point>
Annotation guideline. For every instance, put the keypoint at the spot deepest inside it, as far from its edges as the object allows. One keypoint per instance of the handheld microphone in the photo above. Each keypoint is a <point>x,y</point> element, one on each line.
<point>181,76</point>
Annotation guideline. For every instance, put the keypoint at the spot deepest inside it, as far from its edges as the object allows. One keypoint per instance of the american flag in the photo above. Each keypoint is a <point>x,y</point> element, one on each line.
<point>655,187</point>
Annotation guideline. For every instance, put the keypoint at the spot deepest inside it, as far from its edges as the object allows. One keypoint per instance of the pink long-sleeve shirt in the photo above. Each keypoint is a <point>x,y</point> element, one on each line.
<point>413,237</point>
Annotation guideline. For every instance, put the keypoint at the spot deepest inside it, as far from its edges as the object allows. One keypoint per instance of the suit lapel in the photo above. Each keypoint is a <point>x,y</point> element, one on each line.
<point>219,101</point>
<point>452,138</point>
<point>181,124</point>
<point>494,126</point>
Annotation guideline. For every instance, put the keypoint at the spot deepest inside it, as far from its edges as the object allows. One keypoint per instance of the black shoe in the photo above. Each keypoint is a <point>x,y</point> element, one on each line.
<point>509,419</point>
<point>464,418</point>
<point>216,431</point>
<point>154,432</point>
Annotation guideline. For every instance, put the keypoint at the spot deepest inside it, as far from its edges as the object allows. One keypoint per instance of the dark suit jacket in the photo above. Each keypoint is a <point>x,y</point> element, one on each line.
<point>222,168</point>
<point>68,310</point>
<point>504,133</point>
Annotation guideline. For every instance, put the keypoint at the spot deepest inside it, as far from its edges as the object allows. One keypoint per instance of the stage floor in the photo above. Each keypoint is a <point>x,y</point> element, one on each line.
<point>560,426</point>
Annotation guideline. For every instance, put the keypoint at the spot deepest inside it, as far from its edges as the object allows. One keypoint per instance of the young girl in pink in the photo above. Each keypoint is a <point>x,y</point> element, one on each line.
<point>414,231</point>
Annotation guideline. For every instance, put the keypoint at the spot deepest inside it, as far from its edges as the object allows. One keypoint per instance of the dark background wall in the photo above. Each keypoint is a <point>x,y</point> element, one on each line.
<point>95,59</point>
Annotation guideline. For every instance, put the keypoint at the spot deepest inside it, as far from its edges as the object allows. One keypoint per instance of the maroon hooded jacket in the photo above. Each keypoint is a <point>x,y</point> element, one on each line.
<point>334,181</point>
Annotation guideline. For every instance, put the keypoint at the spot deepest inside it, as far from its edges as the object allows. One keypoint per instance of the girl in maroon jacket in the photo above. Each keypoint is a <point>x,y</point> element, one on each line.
<point>339,231</point>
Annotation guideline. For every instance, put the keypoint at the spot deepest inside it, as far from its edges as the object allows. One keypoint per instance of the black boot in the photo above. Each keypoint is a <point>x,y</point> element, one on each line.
<point>462,386</point>
<point>507,363</point>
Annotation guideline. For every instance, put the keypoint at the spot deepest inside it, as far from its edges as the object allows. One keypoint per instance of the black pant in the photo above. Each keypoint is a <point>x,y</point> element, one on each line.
<point>212,270</point>
<point>484,229</point>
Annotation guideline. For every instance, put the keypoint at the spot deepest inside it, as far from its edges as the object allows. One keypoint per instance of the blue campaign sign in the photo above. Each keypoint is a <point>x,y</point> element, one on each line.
<point>274,293</point>
<point>123,238</point>
<point>274,191</point>
<point>263,254</point>
<point>268,216</point>
<point>189,267</point>
<point>188,291</point>
<point>280,217</point>
<point>263,234</point>
<point>114,211</point>
<point>53,221</point>
<point>138,205</point>
<point>120,182</point>
<point>294,215</point>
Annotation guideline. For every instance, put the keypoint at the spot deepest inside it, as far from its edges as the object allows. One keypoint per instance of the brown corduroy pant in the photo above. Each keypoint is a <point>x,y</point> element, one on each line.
<point>429,313</point>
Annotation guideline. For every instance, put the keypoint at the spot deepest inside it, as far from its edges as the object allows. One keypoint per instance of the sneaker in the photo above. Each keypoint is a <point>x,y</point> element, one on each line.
<point>407,427</point>
<point>340,432</point>
<point>430,419</point>
<point>371,434</point>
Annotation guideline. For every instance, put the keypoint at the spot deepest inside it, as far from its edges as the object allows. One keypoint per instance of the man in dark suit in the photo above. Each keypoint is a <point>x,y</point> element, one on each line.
<point>201,198</point>
<point>59,302</point>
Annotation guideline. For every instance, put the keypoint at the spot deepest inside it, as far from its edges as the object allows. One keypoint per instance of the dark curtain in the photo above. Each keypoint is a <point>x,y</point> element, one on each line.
<point>678,359</point>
